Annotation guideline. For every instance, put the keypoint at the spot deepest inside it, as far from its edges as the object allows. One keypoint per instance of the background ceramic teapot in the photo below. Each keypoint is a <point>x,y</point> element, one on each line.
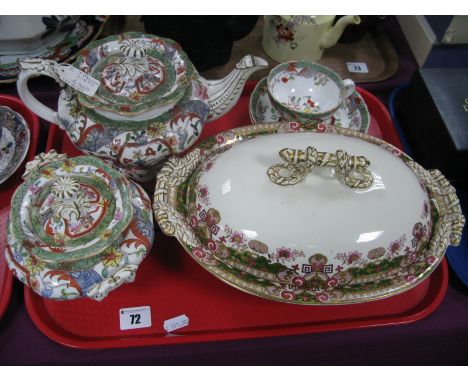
<point>150,100</point>
<point>297,37</point>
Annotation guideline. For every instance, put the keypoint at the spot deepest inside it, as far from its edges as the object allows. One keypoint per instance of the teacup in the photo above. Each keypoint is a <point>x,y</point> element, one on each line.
<point>306,90</point>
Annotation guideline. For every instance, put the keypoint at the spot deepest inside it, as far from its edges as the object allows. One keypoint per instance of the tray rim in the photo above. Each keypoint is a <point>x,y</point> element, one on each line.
<point>441,272</point>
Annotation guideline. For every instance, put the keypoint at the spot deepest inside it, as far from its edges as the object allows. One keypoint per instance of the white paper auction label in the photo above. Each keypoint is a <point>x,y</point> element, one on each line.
<point>176,323</point>
<point>357,67</point>
<point>78,79</point>
<point>135,318</point>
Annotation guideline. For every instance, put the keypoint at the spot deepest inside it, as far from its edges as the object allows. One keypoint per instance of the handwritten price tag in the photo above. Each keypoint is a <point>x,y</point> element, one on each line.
<point>357,67</point>
<point>176,323</point>
<point>78,80</point>
<point>135,318</point>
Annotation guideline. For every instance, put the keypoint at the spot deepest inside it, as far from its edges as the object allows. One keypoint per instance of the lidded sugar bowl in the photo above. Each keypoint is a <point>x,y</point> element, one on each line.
<point>77,227</point>
<point>150,101</point>
<point>308,214</point>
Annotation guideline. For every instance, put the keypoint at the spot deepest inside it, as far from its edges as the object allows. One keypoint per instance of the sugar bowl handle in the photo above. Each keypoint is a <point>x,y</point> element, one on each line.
<point>41,160</point>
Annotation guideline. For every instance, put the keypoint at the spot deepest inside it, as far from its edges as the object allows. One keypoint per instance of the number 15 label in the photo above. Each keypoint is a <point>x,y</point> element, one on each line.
<point>135,318</point>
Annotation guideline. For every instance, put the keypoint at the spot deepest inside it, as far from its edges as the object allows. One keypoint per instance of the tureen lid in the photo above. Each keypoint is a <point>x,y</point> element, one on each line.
<point>327,215</point>
<point>69,210</point>
<point>137,72</point>
<point>262,196</point>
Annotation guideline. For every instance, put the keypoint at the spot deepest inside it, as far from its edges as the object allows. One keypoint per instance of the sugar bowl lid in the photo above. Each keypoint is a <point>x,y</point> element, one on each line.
<point>136,71</point>
<point>317,215</point>
<point>69,210</point>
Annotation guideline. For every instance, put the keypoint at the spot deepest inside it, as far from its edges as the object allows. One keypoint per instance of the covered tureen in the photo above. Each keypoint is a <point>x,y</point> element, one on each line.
<point>308,214</point>
<point>77,227</point>
<point>134,99</point>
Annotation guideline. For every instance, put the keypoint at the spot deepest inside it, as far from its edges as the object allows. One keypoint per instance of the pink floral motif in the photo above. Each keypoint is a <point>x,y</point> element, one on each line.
<point>322,297</point>
<point>321,128</point>
<point>350,257</point>
<point>209,166</point>
<point>198,252</point>
<point>204,194</point>
<point>425,210</point>
<point>237,238</point>
<point>409,278</point>
<point>288,295</point>
<point>298,281</point>
<point>396,245</point>
<point>285,254</point>
<point>294,126</point>
<point>332,282</point>
<point>431,259</point>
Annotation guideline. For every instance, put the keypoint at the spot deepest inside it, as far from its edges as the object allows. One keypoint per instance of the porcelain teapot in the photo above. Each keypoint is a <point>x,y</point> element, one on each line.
<point>287,38</point>
<point>150,101</point>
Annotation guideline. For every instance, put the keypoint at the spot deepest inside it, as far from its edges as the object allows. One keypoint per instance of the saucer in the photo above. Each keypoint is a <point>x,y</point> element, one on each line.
<point>85,30</point>
<point>353,115</point>
<point>14,141</point>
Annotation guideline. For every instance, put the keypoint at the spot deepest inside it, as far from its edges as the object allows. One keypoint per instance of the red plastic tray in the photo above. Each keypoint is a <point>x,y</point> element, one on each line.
<point>6,191</point>
<point>171,283</point>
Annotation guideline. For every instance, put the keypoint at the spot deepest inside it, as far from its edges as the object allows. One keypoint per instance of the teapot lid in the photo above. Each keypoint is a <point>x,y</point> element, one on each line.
<point>136,71</point>
<point>69,210</point>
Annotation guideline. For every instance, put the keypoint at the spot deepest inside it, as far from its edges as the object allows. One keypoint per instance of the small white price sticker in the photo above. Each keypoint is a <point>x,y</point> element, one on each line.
<point>78,80</point>
<point>135,318</point>
<point>357,67</point>
<point>176,323</point>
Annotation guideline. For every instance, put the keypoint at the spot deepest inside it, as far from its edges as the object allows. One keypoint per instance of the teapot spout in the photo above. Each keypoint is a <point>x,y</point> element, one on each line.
<point>331,37</point>
<point>224,93</point>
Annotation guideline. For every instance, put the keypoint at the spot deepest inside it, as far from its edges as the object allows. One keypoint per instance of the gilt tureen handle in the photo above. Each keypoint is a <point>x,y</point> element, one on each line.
<point>351,170</point>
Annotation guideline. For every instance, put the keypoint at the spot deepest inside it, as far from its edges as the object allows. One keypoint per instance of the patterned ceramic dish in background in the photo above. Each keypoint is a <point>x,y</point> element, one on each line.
<point>14,141</point>
<point>84,31</point>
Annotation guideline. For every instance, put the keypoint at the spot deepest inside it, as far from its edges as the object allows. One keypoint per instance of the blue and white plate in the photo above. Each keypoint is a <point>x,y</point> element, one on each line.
<point>14,141</point>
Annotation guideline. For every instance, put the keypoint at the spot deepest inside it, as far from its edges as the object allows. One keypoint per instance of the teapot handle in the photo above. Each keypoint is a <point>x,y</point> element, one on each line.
<point>33,68</point>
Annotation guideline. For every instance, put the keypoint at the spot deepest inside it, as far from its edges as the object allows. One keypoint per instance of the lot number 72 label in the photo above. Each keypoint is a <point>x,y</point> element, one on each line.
<point>135,318</point>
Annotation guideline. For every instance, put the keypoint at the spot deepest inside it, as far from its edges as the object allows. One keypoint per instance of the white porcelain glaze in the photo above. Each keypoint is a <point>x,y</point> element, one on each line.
<point>307,89</point>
